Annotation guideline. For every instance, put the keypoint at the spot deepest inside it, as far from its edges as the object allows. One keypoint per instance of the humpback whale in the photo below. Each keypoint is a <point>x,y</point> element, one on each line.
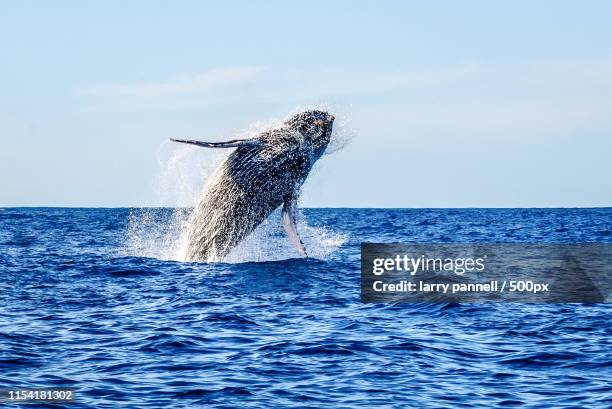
<point>261,174</point>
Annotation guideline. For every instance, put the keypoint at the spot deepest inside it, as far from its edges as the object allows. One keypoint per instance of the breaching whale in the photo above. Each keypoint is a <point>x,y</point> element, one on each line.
<point>260,175</point>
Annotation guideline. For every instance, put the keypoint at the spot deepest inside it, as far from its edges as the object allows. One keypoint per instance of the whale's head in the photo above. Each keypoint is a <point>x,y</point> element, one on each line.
<point>316,126</point>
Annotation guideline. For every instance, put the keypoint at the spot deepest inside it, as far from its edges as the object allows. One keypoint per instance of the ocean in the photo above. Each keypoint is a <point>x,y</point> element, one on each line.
<point>98,300</point>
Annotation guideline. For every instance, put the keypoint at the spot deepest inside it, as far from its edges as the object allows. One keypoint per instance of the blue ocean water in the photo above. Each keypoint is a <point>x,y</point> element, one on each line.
<point>77,310</point>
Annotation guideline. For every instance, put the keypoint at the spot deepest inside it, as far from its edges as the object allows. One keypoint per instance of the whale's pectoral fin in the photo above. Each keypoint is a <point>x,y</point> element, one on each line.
<point>229,144</point>
<point>289,224</point>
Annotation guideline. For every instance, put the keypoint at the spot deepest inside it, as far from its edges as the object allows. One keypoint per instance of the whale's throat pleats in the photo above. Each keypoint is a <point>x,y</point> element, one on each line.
<point>251,183</point>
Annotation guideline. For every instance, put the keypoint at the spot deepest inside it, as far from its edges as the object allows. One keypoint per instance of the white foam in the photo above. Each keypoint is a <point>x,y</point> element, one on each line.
<point>269,242</point>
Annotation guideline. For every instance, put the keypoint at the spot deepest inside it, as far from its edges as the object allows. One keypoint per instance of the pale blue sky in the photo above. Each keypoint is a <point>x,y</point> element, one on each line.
<point>448,104</point>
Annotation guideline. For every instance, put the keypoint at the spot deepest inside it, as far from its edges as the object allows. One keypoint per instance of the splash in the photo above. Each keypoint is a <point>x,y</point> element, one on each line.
<point>162,232</point>
<point>269,242</point>
<point>157,233</point>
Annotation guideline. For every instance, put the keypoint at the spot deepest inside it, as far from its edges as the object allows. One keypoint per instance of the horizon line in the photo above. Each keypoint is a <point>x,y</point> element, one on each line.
<point>310,207</point>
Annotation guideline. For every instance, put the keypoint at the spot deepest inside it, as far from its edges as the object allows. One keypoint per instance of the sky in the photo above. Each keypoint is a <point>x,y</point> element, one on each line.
<point>439,104</point>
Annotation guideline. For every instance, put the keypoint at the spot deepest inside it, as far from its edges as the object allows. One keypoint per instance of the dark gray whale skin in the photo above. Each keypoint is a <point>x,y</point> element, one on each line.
<point>260,175</point>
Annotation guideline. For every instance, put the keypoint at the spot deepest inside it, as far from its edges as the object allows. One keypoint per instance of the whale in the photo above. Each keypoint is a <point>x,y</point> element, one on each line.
<point>261,174</point>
